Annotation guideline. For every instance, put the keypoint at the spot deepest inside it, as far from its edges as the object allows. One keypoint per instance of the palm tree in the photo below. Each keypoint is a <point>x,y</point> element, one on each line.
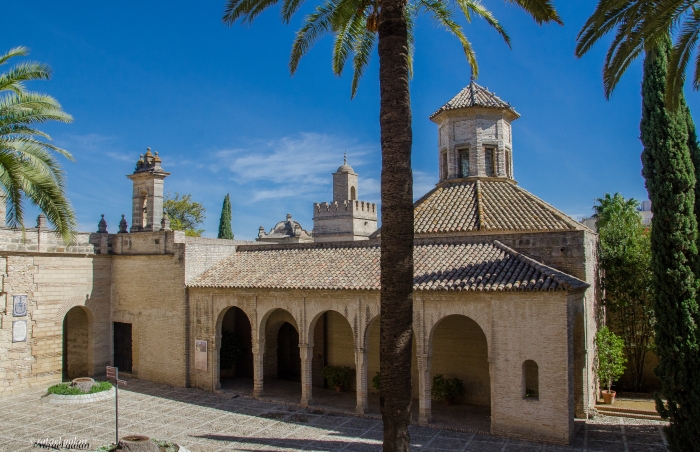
<point>357,25</point>
<point>640,25</point>
<point>27,163</point>
<point>614,207</point>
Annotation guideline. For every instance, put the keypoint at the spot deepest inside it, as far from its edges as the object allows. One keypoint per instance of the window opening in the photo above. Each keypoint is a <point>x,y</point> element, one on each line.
<point>531,383</point>
<point>444,165</point>
<point>488,161</point>
<point>464,162</point>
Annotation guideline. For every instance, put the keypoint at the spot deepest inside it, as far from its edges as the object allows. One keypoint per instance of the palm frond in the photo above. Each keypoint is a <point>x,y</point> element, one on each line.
<point>14,52</point>
<point>246,10</point>
<point>14,79</point>
<point>468,6</point>
<point>346,40</point>
<point>443,16</point>
<point>363,52</point>
<point>680,56</point>
<point>542,11</point>
<point>315,25</point>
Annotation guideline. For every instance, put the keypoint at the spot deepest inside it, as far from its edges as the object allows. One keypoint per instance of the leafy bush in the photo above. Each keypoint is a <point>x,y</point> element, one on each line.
<point>231,350</point>
<point>377,381</point>
<point>447,389</point>
<point>611,356</point>
<point>67,389</point>
<point>338,375</point>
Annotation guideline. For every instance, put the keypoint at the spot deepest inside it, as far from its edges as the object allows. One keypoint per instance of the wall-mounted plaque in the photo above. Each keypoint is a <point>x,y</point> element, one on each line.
<point>200,355</point>
<point>19,331</point>
<point>19,305</point>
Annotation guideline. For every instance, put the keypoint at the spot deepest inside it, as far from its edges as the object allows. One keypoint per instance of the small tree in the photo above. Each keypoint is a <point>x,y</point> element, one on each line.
<point>225,230</point>
<point>185,214</point>
<point>624,256</point>
<point>611,357</point>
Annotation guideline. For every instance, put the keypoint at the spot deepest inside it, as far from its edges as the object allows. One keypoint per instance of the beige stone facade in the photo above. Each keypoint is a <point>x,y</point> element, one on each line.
<point>504,294</point>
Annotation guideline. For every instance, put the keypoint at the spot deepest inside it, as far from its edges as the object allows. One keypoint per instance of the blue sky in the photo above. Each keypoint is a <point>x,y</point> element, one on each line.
<point>219,105</point>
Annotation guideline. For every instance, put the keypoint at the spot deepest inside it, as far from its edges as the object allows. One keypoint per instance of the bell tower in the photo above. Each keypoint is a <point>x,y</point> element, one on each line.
<point>474,135</point>
<point>147,199</point>
<point>345,218</point>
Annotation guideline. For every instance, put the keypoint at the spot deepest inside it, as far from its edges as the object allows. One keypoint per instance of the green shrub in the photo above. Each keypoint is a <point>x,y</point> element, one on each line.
<point>377,381</point>
<point>447,389</point>
<point>611,356</point>
<point>67,389</point>
<point>338,375</point>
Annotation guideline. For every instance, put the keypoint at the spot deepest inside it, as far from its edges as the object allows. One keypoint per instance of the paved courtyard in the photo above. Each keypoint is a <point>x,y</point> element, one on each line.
<point>203,421</point>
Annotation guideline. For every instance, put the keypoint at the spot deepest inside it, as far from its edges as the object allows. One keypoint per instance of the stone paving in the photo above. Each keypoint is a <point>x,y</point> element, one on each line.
<point>207,422</point>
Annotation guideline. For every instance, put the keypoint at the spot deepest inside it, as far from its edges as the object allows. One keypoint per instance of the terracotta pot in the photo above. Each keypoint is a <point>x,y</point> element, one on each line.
<point>339,388</point>
<point>609,397</point>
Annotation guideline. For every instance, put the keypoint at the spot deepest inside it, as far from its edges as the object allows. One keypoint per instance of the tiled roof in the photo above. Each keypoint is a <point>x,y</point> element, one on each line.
<point>455,267</point>
<point>471,205</point>
<point>474,95</point>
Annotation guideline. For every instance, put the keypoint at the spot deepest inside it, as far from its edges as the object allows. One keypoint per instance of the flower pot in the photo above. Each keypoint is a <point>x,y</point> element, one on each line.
<point>339,388</point>
<point>608,397</point>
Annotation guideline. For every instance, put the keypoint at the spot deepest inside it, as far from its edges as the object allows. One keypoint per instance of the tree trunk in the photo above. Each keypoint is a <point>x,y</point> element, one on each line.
<point>138,443</point>
<point>397,226</point>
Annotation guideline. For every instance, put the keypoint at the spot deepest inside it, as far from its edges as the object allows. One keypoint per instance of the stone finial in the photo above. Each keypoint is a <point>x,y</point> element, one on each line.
<point>41,222</point>
<point>165,221</point>
<point>102,226</point>
<point>261,231</point>
<point>289,216</point>
<point>345,157</point>
<point>123,226</point>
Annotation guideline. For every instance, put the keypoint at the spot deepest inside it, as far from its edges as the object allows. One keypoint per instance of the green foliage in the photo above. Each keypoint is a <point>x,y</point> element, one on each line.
<point>28,167</point>
<point>185,214</point>
<point>610,356</point>
<point>67,389</point>
<point>225,231</point>
<point>231,350</point>
<point>529,393</point>
<point>354,25</point>
<point>377,381</point>
<point>447,388</point>
<point>640,25</point>
<point>670,180</point>
<point>338,375</point>
<point>624,258</point>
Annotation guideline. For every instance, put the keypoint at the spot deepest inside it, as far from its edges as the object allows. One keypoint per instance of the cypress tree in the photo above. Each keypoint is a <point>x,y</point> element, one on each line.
<point>670,180</point>
<point>225,231</point>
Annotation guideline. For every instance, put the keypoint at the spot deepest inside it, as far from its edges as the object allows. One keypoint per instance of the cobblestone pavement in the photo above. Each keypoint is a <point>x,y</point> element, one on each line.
<point>204,422</point>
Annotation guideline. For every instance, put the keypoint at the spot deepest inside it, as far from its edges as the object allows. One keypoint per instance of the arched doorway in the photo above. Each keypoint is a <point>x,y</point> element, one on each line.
<point>76,343</point>
<point>236,348</point>
<point>288,356</point>
<point>372,345</point>
<point>460,350</point>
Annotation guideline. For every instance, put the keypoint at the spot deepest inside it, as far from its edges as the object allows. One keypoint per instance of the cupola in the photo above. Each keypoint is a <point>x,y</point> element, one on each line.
<point>474,135</point>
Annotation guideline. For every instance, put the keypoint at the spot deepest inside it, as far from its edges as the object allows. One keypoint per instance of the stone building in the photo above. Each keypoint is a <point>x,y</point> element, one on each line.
<point>504,292</point>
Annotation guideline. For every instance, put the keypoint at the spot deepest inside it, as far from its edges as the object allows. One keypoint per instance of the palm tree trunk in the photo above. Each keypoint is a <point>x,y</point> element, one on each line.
<point>397,226</point>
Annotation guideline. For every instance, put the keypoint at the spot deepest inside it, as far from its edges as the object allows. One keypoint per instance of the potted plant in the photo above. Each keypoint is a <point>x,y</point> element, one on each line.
<point>377,381</point>
<point>446,389</point>
<point>338,377</point>
<point>611,361</point>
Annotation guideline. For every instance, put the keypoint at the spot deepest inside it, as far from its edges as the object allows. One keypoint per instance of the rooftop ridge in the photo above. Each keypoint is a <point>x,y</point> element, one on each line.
<point>566,281</point>
<point>573,224</point>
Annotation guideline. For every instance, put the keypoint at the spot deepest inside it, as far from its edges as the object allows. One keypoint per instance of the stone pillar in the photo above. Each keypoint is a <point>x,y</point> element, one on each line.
<point>361,383</point>
<point>307,353</point>
<point>424,389</point>
<point>258,366</point>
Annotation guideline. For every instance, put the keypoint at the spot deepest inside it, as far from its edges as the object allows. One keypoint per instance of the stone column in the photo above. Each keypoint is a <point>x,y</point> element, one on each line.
<point>307,353</point>
<point>424,389</point>
<point>361,383</point>
<point>258,367</point>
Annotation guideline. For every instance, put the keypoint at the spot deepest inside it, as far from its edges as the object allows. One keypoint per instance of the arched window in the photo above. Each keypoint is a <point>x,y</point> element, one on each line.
<point>531,380</point>
<point>464,162</point>
<point>353,194</point>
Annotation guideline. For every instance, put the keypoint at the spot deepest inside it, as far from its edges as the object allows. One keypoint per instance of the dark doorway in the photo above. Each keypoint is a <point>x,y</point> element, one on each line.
<point>288,356</point>
<point>122,346</point>
<point>236,353</point>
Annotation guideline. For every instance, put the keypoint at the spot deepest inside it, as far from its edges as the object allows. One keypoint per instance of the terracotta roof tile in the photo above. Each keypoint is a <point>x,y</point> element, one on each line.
<point>470,205</point>
<point>455,267</point>
<point>474,95</point>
